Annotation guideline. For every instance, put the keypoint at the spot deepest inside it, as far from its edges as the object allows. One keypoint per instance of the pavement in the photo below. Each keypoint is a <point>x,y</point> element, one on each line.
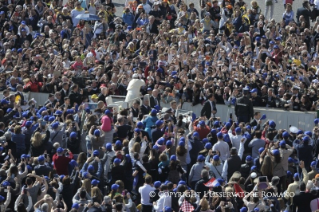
<point>278,7</point>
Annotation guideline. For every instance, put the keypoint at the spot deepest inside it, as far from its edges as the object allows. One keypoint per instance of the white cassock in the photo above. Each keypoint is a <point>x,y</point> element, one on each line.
<point>133,89</point>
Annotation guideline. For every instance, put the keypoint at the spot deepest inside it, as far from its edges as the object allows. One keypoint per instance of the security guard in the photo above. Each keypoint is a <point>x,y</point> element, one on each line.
<point>244,107</point>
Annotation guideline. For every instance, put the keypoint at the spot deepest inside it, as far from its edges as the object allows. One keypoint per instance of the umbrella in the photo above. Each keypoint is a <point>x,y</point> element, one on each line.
<point>88,17</point>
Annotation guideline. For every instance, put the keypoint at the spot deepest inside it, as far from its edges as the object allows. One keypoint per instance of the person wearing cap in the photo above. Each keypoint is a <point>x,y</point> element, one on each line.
<point>81,198</point>
<point>222,147</point>
<point>244,108</point>
<point>195,172</point>
<point>42,169</point>
<point>61,161</point>
<point>57,133</point>
<point>235,139</point>
<point>313,171</point>
<point>245,168</point>
<point>256,201</point>
<point>158,132</point>
<point>201,127</point>
<point>304,152</point>
<point>256,143</point>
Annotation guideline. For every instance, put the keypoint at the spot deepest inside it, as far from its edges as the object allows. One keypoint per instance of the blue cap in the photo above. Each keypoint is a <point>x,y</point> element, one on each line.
<point>247,136</point>
<point>243,209</point>
<point>169,143</point>
<point>181,143</point>
<point>58,112</point>
<point>219,135</point>
<point>291,160</point>
<point>238,130</point>
<point>1,148</point>
<point>213,131</point>
<point>299,132</point>
<point>118,143</point>
<point>296,176</point>
<point>73,135</point>
<point>23,22</point>
<point>19,50</point>
<point>205,140</point>
<point>140,124</point>
<point>254,90</point>
<point>41,158</point>
<point>276,47</point>
<point>47,178</point>
<point>313,164</point>
<point>95,182</point>
<point>153,112</point>
<point>107,112</point>
<point>76,205</point>
<point>257,38</point>
<point>85,175</point>
<point>202,123</point>
<point>308,133</point>
<point>157,184</point>
<point>161,141</point>
<point>275,152</point>
<point>3,102</point>
<point>168,209</point>
<point>115,187</point>
<point>159,123</point>
<point>155,147</point>
<point>182,182</point>
<point>208,146</point>
<point>87,110</point>
<point>227,125</point>
<point>91,168</point>
<point>55,125</point>
<point>97,132</point>
<point>46,118</point>
<point>117,161</point>
<point>96,153</point>
<point>271,42</point>
<point>316,121</point>
<point>108,146</point>
<point>216,158</point>
<point>272,124</point>
<point>226,138</point>
<point>261,149</point>
<point>216,124</point>
<point>5,183</point>
<point>253,168</point>
<point>28,123</point>
<point>173,157</point>
<point>174,73</point>
<point>285,134</point>
<point>278,38</point>
<point>25,114</point>
<point>59,150</point>
<point>137,130</point>
<point>282,143</point>
<point>73,163</point>
<point>51,118</point>
<point>157,107</point>
<point>195,134</point>
<point>69,111</point>
<point>305,139</point>
<point>289,173</point>
<point>200,158</point>
<point>249,158</point>
<point>256,209</point>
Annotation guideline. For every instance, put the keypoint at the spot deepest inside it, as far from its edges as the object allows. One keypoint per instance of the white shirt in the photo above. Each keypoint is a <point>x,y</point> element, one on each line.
<point>223,148</point>
<point>145,194</point>
<point>163,201</point>
<point>235,139</point>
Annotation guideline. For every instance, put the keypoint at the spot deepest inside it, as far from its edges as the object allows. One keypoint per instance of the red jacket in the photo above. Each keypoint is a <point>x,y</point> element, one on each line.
<point>202,131</point>
<point>60,163</point>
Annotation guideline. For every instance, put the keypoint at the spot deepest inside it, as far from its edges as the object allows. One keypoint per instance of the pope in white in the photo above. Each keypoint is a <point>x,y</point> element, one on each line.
<point>133,88</point>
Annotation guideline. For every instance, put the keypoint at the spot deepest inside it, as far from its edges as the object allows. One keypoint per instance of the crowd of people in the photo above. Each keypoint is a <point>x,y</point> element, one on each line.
<point>66,155</point>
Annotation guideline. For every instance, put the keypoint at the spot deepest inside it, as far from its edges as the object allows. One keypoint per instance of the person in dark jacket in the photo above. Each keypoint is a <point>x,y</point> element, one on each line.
<point>305,152</point>
<point>244,108</point>
<point>304,11</point>
<point>74,96</point>
<point>245,168</point>
<point>118,171</point>
<point>42,169</point>
<point>199,186</point>
<point>69,187</point>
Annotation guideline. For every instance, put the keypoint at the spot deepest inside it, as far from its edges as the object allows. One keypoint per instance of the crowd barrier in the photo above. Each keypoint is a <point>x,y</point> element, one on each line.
<point>284,119</point>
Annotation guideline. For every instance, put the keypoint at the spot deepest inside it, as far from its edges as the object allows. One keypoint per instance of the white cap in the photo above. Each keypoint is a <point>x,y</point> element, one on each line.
<point>253,175</point>
<point>293,129</point>
<point>90,54</point>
